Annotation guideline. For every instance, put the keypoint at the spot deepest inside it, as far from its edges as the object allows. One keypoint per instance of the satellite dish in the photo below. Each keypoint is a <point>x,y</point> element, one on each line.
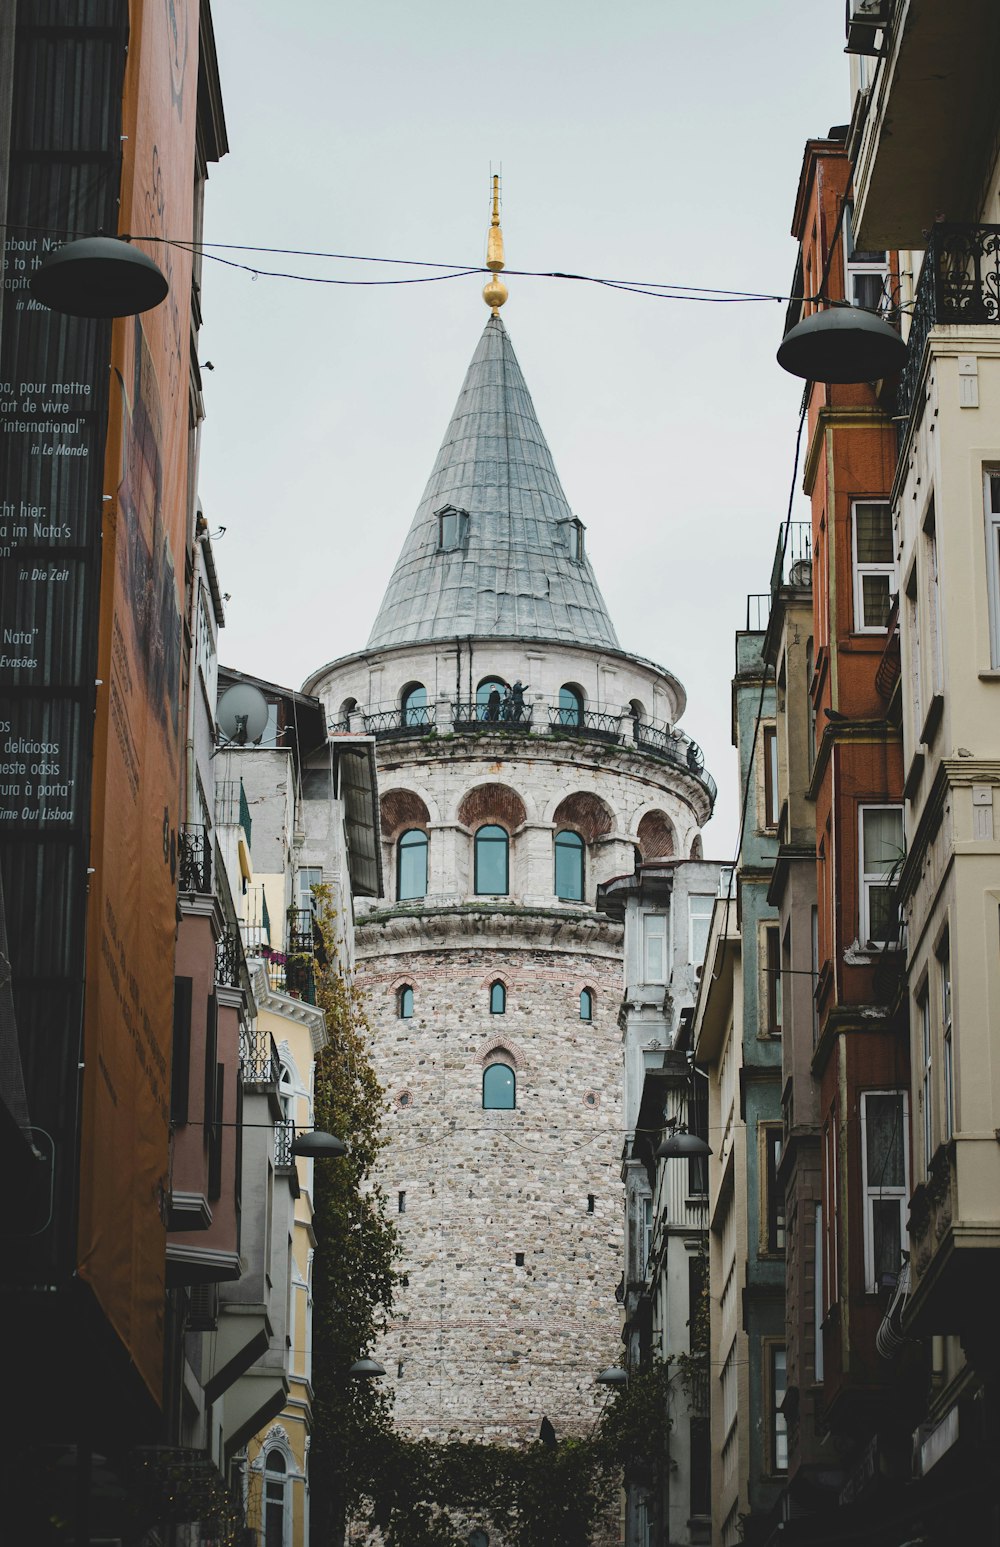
<point>241,714</point>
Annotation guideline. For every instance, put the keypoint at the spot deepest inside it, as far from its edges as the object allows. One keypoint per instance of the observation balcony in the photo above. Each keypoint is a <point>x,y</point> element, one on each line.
<point>259,1061</point>
<point>194,853</point>
<point>541,717</point>
<point>959,285</point>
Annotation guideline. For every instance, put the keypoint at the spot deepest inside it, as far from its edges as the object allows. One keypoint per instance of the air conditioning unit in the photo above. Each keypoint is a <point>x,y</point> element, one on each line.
<point>865,20</point>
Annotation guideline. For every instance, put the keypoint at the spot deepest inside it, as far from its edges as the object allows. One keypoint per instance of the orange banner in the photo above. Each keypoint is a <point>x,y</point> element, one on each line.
<point>138,733</point>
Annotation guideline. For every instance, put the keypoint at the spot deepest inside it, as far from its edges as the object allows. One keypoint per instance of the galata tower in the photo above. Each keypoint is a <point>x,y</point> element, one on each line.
<point>523,758</point>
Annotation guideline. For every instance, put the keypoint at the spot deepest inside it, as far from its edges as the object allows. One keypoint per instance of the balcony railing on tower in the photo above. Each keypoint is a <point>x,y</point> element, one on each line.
<point>959,285</point>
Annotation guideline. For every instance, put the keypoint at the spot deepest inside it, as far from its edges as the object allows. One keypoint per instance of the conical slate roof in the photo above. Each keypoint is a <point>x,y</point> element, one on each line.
<point>515,569</point>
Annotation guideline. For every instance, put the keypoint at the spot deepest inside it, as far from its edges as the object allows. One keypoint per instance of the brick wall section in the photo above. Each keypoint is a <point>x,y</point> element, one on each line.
<point>492,803</point>
<point>586,814</point>
<point>400,811</point>
<point>489,1346</point>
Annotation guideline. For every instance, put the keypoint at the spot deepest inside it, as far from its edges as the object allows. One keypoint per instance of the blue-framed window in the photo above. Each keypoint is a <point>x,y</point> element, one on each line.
<point>498,999</point>
<point>411,865</point>
<point>413,705</point>
<point>492,867</point>
<point>569,866</point>
<point>570,706</point>
<point>499,1087</point>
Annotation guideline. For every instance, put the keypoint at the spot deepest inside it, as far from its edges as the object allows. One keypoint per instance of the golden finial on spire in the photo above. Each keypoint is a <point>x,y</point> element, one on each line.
<point>495,291</point>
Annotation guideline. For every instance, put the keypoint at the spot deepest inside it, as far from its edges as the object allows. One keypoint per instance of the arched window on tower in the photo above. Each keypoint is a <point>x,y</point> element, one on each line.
<point>498,999</point>
<point>275,1484</point>
<point>413,705</point>
<point>492,870</point>
<point>404,1000</point>
<point>489,698</point>
<point>586,1004</point>
<point>569,866</point>
<point>570,705</point>
<point>499,1088</point>
<point>411,865</point>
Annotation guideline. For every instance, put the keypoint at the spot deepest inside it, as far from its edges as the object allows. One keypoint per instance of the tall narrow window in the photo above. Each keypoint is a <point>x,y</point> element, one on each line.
<point>770,776</point>
<point>926,1074</point>
<point>697,1121</point>
<point>818,1280</point>
<point>992,500</point>
<point>944,975</point>
<point>874,570</point>
<point>916,666</point>
<point>772,977</point>
<point>831,1198</point>
<point>654,947</point>
<point>586,1005</point>
<point>275,1480</point>
<point>411,865</point>
<point>934,606</point>
<point>811,706</point>
<point>773,1199</point>
<point>885,1184</point>
<point>498,999</point>
<point>491,862</point>
<point>499,1088</point>
<point>699,924</point>
<point>453,527</point>
<point>881,845</point>
<point>413,707</point>
<point>814,967</point>
<point>570,706</point>
<point>779,1426</point>
<point>405,1002</point>
<point>569,866</point>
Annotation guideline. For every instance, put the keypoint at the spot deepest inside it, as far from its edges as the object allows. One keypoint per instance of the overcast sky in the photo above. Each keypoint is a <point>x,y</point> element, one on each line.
<point>646,140</point>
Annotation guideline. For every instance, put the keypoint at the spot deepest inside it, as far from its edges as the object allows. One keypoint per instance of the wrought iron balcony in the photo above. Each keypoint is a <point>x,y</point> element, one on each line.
<point>195,856</point>
<point>793,557</point>
<point>229,959</point>
<point>676,748</point>
<point>284,1134</point>
<point>476,717</point>
<point>959,285</point>
<point>259,1061</point>
<point>597,724</point>
<point>398,722</point>
<point>301,931</point>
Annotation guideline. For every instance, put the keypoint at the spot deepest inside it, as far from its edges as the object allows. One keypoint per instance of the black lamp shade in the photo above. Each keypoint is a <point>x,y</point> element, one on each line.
<point>613,1376</point>
<point>682,1145</point>
<point>315,1145</point>
<point>366,1369</point>
<point>99,276</point>
<point>842,344</point>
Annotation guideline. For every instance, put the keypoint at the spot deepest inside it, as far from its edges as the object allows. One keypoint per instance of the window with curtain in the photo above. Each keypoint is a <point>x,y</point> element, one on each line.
<point>882,850</point>
<point>498,999</point>
<point>569,866</point>
<point>499,1087</point>
<point>411,865</point>
<point>414,705</point>
<point>492,875</point>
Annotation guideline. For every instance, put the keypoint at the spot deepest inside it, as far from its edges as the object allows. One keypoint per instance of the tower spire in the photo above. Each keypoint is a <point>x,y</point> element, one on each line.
<point>495,291</point>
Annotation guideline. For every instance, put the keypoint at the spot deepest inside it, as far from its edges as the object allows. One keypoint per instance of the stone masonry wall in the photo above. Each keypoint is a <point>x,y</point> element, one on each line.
<point>511,1220</point>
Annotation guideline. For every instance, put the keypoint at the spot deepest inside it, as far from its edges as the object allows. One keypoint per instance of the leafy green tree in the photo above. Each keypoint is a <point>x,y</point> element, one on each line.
<point>356,1247</point>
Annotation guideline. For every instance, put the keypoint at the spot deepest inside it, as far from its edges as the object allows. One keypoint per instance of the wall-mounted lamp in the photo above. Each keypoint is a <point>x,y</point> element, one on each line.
<point>614,1375</point>
<point>366,1369</point>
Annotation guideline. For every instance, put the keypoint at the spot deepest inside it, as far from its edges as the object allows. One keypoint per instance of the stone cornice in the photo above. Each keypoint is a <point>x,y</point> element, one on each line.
<point>463,926</point>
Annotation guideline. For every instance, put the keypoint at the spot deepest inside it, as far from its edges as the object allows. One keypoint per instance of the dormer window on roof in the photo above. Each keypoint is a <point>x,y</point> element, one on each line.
<point>453,528</point>
<point>573,530</point>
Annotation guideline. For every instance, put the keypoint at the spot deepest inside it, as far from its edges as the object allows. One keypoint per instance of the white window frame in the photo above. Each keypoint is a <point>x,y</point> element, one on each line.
<point>701,915</point>
<point>863,569</point>
<point>649,935</point>
<point>855,268</point>
<point>868,880</point>
<point>991,505</point>
<point>876,1190</point>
